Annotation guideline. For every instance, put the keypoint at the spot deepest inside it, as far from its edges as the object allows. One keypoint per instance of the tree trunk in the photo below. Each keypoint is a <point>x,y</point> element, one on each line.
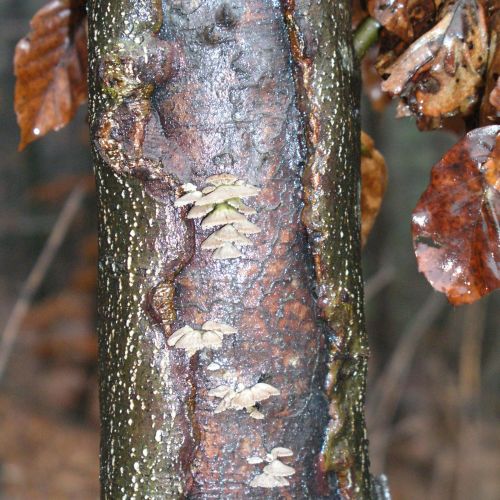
<point>264,96</point>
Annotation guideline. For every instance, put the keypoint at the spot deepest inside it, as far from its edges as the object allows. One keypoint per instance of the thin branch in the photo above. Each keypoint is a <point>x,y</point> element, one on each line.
<point>37,274</point>
<point>386,394</point>
<point>365,36</point>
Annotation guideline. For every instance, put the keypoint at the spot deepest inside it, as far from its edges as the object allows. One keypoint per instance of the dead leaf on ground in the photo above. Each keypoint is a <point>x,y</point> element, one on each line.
<point>50,65</point>
<point>373,184</point>
<point>456,232</point>
<point>441,73</point>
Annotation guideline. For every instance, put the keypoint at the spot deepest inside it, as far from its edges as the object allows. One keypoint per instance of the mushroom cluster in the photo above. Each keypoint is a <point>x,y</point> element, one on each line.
<point>210,336</point>
<point>219,204</point>
<point>246,398</point>
<point>275,473</point>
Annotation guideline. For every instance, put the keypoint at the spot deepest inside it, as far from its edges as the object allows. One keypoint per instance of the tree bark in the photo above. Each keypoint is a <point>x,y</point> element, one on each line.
<point>268,93</point>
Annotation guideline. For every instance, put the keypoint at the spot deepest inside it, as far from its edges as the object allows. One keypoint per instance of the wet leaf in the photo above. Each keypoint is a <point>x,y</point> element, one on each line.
<point>406,19</point>
<point>490,106</point>
<point>440,75</point>
<point>456,231</point>
<point>373,184</point>
<point>50,64</point>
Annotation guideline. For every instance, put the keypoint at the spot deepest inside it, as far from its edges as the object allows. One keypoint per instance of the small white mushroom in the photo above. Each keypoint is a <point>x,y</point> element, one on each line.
<point>221,215</point>
<point>241,207</point>
<point>188,187</point>
<point>254,413</point>
<point>178,334</point>
<point>254,460</point>
<point>226,251</point>
<point>218,327</point>
<point>212,367</point>
<point>278,468</point>
<point>226,234</point>
<point>262,391</point>
<point>211,340</point>
<point>244,398</point>
<point>280,452</point>
<point>246,227</point>
<point>220,391</point>
<point>197,212</point>
<point>267,481</point>
<point>219,179</point>
<point>223,193</point>
<point>194,340</point>
<point>191,342</point>
<point>188,199</point>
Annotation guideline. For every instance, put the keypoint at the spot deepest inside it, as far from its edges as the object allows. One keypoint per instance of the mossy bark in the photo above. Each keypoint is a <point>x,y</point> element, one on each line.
<point>267,92</point>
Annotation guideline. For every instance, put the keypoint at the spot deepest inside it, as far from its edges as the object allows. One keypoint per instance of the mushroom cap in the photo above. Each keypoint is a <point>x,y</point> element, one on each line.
<point>219,179</point>
<point>223,193</point>
<point>261,391</point>
<point>188,198</point>
<point>191,341</point>
<point>220,391</point>
<point>218,327</point>
<point>211,340</point>
<point>197,212</point>
<point>246,227</point>
<point>222,214</point>
<point>254,460</point>
<point>267,481</point>
<point>278,468</point>
<point>208,189</point>
<point>281,452</point>
<point>256,414</point>
<point>243,399</point>
<point>213,366</point>
<point>226,251</point>
<point>188,187</point>
<point>241,207</point>
<point>225,234</point>
<point>174,338</point>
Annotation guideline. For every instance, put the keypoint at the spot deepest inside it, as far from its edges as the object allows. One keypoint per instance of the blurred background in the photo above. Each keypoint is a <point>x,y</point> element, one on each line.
<point>434,400</point>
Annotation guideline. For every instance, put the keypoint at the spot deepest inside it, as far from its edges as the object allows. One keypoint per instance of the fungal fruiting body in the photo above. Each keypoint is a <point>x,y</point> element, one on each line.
<point>220,204</point>
<point>275,472</point>
<point>210,336</point>
<point>245,398</point>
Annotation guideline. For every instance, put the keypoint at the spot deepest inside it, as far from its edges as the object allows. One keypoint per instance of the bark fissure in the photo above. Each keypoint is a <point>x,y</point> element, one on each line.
<point>327,86</point>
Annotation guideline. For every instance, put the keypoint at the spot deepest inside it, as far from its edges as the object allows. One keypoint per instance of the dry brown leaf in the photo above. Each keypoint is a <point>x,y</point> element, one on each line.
<point>456,234</point>
<point>490,106</point>
<point>373,184</point>
<point>441,73</point>
<point>406,19</point>
<point>50,65</point>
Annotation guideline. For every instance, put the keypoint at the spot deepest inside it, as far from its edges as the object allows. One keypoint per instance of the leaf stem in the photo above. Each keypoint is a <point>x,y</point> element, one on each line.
<point>365,36</point>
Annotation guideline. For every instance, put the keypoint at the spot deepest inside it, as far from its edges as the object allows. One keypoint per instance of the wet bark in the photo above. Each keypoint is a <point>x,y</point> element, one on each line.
<point>180,91</point>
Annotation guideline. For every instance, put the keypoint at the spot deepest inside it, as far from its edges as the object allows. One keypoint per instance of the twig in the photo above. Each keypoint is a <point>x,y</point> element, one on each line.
<point>386,394</point>
<point>467,470</point>
<point>365,36</point>
<point>37,274</point>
